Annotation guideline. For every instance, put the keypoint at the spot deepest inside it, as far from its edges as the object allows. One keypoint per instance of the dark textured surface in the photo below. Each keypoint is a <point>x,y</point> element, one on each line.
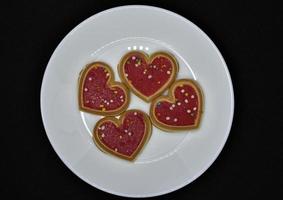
<point>248,34</point>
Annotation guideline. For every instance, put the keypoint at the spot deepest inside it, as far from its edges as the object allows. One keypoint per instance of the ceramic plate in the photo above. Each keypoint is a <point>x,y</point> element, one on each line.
<point>169,161</point>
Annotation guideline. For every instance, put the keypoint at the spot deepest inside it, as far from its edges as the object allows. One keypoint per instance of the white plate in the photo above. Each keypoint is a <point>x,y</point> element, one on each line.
<point>169,161</point>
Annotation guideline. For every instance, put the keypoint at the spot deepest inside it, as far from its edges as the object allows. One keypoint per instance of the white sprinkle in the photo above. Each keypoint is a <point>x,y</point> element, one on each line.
<point>102,135</point>
<point>144,72</point>
<point>126,131</point>
<point>122,100</point>
<point>85,89</point>
<point>167,118</point>
<point>107,74</point>
<point>129,133</point>
<point>120,136</point>
<point>158,82</point>
<point>175,119</point>
<point>136,65</point>
<point>133,57</point>
<point>192,96</point>
<point>186,101</point>
<point>179,103</point>
<point>111,101</point>
<point>116,149</point>
<point>182,91</point>
<point>154,66</point>
<point>102,127</point>
<point>87,101</point>
<point>149,76</point>
<point>173,105</point>
<point>121,97</point>
<point>189,111</point>
<point>195,108</point>
<point>89,78</point>
<point>107,103</point>
<point>168,72</point>
<point>171,108</point>
<point>135,113</point>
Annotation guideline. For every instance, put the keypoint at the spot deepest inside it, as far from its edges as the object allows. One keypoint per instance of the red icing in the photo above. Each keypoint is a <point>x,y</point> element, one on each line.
<point>132,131</point>
<point>97,94</point>
<point>181,115</point>
<point>146,78</point>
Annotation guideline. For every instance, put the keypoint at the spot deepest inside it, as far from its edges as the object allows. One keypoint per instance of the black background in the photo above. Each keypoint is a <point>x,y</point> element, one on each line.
<point>248,35</point>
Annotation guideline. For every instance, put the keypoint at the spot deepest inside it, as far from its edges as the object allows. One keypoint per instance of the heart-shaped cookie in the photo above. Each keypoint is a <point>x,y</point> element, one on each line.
<point>99,93</point>
<point>123,137</point>
<point>148,76</point>
<point>181,109</point>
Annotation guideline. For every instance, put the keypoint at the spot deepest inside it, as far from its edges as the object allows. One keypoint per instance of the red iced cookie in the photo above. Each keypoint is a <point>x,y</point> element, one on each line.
<point>123,137</point>
<point>148,76</point>
<point>99,93</point>
<point>181,109</point>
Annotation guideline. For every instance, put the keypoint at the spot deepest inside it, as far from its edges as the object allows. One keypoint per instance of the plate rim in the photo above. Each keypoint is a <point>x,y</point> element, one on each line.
<point>221,146</point>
